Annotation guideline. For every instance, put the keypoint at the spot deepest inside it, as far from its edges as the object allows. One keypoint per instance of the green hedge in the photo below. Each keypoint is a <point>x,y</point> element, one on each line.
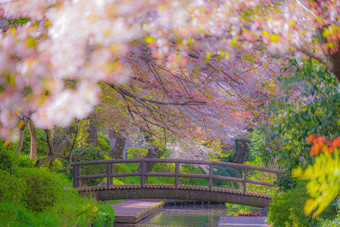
<point>37,197</point>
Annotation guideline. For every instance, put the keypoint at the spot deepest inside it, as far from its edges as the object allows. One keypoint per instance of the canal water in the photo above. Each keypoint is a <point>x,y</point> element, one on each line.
<point>191,215</point>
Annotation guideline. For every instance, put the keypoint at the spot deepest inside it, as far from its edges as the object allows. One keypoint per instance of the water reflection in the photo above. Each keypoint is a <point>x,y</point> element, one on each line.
<point>186,216</point>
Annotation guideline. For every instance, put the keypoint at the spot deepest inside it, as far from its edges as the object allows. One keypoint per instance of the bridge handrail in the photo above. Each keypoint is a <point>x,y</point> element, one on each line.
<point>184,161</point>
<point>143,174</point>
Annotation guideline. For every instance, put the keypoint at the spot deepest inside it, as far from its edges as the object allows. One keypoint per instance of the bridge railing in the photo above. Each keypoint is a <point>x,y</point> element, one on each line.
<point>177,175</point>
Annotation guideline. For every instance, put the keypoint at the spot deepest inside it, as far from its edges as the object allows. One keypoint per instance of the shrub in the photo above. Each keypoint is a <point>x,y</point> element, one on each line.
<point>38,197</point>
<point>24,161</point>
<point>286,208</point>
<point>285,181</point>
<point>43,188</point>
<point>13,214</point>
<point>105,215</point>
<point>11,187</point>
<point>8,160</point>
<point>136,152</point>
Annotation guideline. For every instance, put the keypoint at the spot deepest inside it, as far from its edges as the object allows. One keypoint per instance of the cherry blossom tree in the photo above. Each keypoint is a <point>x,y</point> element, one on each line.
<point>50,66</point>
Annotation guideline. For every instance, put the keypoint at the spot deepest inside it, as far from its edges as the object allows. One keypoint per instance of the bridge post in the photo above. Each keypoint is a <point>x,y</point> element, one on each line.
<point>142,175</point>
<point>109,174</point>
<point>210,175</point>
<point>244,182</point>
<point>176,174</point>
<point>76,181</point>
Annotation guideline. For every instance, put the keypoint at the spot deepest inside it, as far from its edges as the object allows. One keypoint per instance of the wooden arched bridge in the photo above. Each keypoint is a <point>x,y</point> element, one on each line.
<point>176,190</point>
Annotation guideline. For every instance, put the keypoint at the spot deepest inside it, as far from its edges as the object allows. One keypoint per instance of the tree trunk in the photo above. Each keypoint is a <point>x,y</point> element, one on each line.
<point>49,158</point>
<point>93,132</point>
<point>21,139</point>
<point>333,64</point>
<point>117,151</point>
<point>332,61</point>
<point>242,150</point>
<point>33,151</point>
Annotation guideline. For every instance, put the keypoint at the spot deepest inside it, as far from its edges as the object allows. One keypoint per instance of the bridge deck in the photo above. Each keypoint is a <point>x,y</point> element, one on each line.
<point>181,192</point>
<point>171,186</point>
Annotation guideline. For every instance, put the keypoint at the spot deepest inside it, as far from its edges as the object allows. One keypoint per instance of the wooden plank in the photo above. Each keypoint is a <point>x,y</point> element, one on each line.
<point>109,174</point>
<point>76,181</point>
<point>191,175</point>
<point>260,183</point>
<point>244,183</point>
<point>92,176</point>
<point>142,176</point>
<point>126,174</point>
<point>234,179</point>
<point>176,174</point>
<point>211,173</point>
<point>132,211</point>
<point>160,174</point>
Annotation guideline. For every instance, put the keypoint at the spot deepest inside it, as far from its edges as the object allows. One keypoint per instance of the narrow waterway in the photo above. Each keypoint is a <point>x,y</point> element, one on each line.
<point>191,215</point>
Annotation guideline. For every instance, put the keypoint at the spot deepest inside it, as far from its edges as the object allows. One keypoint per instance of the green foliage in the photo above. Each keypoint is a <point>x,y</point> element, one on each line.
<point>43,188</point>
<point>324,181</point>
<point>24,161</point>
<point>104,142</point>
<point>90,154</point>
<point>136,152</point>
<point>127,168</point>
<point>333,221</point>
<point>11,187</point>
<point>17,21</point>
<point>42,146</point>
<point>286,208</point>
<point>165,168</point>
<point>105,215</point>
<point>37,197</point>
<point>294,116</point>
<point>227,172</point>
<point>189,168</point>
<point>10,147</point>
<point>8,160</point>
<point>285,181</point>
<point>53,165</point>
<point>257,148</point>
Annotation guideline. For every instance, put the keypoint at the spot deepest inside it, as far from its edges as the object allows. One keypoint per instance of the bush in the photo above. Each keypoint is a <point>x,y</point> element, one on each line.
<point>106,215</point>
<point>285,181</point>
<point>11,187</point>
<point>37,197</point>
<point>136,152</point>
<point>286,208</point>
<point>43,188</point>
<point>8,160</point>
<point>24,161</point>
